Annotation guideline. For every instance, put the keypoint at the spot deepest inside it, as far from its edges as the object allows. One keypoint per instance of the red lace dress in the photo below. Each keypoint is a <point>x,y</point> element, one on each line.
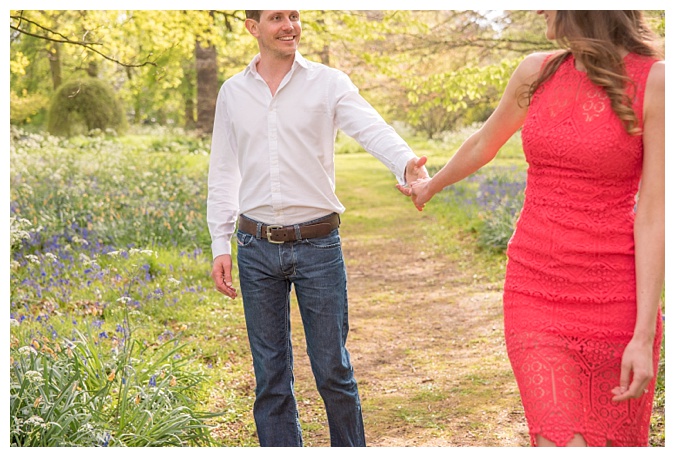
<point>569,293</point>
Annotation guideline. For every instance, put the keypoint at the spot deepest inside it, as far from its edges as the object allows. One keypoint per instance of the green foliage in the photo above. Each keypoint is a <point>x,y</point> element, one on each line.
<point>82,105</point>
<point>658,436</point>
<point>95,391</point>
<point>113,188</point>
<point>487,204</point>
<point>499,224</point>
<point>24,110</point>
<point>430,68</point>
<point>492,199</point>
<point>91,305</point>
<point>443,101</point>
<point>657,21</point>
<point>380,50</point>
<point>346,145</point>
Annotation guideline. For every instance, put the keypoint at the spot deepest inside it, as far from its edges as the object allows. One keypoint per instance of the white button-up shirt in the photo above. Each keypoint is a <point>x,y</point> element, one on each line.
<point>272,157</point>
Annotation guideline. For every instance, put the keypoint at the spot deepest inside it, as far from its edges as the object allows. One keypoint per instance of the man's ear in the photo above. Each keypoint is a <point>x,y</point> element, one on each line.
<point>252,27</point>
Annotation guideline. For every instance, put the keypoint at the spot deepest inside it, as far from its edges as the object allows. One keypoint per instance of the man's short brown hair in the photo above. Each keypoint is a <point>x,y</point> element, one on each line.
<point>253,14</point>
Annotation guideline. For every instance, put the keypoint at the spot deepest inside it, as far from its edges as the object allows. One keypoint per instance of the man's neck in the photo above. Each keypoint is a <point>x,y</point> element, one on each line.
<point>273,69</point>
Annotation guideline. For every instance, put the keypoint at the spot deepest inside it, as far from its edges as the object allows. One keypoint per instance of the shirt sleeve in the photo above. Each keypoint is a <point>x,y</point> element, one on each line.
<point>358,119</point>
<point>224,179</point>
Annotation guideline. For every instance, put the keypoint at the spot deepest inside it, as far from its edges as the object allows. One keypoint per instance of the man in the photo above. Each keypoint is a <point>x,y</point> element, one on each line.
<point>272,172</point>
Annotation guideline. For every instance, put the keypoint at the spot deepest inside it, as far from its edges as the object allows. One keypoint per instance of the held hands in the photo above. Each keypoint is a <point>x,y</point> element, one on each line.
<point>222,275</point>
<point>417,179</point>
<point>415,169</point>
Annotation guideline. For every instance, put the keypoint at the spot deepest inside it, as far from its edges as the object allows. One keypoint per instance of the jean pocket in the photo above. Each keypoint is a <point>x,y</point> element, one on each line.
<point>244,239</point>
<point>332,240</point>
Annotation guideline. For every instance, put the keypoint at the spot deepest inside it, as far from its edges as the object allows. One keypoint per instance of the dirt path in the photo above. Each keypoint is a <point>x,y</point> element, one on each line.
<point>426,344</point>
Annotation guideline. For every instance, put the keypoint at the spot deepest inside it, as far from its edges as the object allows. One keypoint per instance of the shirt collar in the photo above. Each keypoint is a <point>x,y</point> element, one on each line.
<point>251,67</point>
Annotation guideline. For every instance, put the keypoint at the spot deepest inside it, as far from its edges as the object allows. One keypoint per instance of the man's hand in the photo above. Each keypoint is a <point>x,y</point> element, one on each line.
<point>222,275</point>
<point>415,174</point>
<point>415,170</point>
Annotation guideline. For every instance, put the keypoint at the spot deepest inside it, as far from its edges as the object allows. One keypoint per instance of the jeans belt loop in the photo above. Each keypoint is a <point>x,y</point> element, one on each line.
<point>258,230</point>
<point>298,235</point>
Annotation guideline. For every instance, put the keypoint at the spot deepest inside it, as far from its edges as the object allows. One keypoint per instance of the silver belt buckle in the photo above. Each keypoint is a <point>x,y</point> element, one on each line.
<point>268,232</point>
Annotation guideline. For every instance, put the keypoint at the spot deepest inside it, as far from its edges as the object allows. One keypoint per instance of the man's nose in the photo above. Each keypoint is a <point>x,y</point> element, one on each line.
<point>288,24</point>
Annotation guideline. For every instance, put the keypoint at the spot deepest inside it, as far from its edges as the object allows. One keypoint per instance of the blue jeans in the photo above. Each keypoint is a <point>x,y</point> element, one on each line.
<point>315,267</point>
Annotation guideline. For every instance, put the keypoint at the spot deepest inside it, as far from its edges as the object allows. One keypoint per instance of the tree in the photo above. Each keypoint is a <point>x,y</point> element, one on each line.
<point>206,63</point>
<point>433,69</point>
<point>207,85</point>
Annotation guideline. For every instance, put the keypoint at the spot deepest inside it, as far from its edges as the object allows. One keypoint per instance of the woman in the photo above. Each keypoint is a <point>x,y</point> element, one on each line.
<point>585,270</point>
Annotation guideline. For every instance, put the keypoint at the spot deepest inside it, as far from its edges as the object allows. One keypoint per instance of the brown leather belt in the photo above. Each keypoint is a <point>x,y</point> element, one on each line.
<point>281,234</point>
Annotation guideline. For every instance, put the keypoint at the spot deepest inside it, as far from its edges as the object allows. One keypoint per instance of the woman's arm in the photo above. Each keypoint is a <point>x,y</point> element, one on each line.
<point>649,242</point>
<point>482,146</point>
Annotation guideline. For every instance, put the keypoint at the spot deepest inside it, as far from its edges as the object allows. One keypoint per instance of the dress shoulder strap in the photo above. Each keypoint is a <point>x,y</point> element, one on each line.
<point>637,69</point>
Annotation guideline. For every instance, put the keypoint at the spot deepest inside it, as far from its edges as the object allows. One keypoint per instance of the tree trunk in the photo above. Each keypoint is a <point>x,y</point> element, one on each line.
<point>325,55</point>
<point>207,86</point>
<point>54,53</point>
<point>92,69</point>
<point>190,123</point>
<point>187,90</point>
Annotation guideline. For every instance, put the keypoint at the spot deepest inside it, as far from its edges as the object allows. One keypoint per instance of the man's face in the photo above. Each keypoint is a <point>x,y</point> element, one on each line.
<point>278,32</point>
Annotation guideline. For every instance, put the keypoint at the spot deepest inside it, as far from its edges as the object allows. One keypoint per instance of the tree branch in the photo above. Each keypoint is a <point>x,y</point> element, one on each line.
<point>65,40</point>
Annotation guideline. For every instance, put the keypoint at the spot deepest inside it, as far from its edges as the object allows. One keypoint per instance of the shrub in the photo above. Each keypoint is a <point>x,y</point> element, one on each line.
<point>25,109</point>
<point>493,196</point>
<point>82,105</point>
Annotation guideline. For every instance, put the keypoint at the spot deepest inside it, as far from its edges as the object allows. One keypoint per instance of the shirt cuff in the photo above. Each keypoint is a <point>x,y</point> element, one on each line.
<point>220,247</point>
<point>401,166</point>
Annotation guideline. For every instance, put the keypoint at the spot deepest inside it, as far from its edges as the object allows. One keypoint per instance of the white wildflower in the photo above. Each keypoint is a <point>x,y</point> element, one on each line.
<point>79,240</point>
<point>32,258</point>
<point>27,350</point>
<point>35,420</point>
<point>84,258</point>
<point>125,299</point>
<point>34,377</point>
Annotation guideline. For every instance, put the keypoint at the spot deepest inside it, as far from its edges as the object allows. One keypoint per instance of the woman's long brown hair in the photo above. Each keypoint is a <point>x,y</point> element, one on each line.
<point>596,39</point>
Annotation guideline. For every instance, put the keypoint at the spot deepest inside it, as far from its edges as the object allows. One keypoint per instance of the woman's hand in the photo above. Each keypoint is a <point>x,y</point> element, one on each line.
<point>637,371</point>
<point>421,193</point>
<point>418,191</point>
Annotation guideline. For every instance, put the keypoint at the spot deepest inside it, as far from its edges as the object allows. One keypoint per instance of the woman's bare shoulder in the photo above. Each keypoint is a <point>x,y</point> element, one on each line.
<point>531,65</point>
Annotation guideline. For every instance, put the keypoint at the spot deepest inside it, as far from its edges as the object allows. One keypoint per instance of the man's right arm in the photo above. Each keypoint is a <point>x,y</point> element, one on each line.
<point>222,204</point>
